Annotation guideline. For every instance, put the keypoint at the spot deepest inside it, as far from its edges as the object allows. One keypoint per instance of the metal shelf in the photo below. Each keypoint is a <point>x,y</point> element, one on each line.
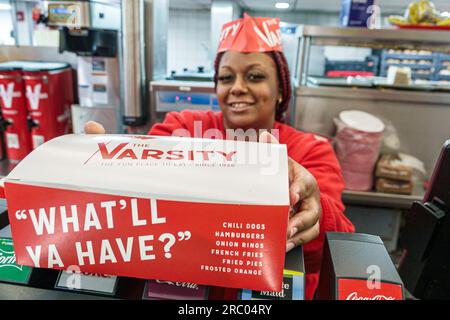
<point>444,57</point>
<point>420,111</point>
<point>408,56</point>
<point>430,40</point>
<point>378,199</point>
<point>412,66</point>
<point>444,77</point>
<point>376,94</point>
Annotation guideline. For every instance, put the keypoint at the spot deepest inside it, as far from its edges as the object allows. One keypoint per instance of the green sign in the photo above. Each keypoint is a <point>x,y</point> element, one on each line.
<point>9,270</point>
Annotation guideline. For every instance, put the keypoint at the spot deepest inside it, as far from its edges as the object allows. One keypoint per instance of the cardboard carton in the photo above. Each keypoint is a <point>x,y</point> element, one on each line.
<point>209,212</point>
<point>389,167</point>
<point>393,186</point>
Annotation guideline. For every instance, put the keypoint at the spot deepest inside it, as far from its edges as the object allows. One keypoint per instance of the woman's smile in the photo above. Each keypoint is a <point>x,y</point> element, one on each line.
<point>240,106</point>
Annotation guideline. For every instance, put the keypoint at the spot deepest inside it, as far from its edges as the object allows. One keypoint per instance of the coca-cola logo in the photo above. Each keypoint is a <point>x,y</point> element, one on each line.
<point>354,296</point>
<point>358,289</point>
<point>180,284</point>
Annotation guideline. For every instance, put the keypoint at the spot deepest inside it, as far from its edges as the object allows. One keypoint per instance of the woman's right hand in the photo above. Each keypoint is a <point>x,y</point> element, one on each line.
<point>92,127</point>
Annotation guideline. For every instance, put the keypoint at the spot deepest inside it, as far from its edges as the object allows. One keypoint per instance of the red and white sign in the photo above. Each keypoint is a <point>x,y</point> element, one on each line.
<point>355,289</point>
<point>210,212</point>
<point>250,34</point>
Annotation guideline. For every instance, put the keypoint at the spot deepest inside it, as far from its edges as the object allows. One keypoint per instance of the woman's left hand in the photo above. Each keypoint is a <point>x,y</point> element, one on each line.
<point>304,219</point>
<point>304,195</point>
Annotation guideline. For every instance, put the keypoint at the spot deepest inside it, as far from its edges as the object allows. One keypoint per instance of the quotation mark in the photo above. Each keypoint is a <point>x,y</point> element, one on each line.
<point>20,215</point>
<point>184,235</point>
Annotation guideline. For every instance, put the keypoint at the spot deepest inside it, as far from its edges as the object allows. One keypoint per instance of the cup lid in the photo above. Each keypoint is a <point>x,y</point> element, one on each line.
<point>362,121</point>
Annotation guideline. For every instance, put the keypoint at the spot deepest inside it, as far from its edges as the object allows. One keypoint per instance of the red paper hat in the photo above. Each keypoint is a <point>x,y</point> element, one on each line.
<point>251,35</point>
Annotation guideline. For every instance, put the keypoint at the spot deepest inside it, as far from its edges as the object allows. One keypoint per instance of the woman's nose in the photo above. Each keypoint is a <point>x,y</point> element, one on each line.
<point>239,86</point>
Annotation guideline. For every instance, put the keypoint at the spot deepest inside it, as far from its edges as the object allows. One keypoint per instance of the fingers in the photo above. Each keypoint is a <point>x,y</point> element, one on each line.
<point>296,185</point>
<point>303,226</point>
<point>306,218</point>
<point>92,127</point>
<point>266,137</point>
<point>297,189</point>
<point>302,183</point>
<point>303,237</point>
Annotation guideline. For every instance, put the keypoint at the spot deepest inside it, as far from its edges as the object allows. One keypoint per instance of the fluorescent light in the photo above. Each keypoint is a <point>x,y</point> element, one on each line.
<point>5,6</point>
<point>282,5</point>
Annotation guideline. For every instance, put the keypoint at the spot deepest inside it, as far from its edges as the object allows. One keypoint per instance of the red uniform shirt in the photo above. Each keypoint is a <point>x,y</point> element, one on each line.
<point>315,154</point>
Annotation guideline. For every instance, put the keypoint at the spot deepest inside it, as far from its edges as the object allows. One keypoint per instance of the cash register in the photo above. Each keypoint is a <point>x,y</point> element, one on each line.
<point>425,263</point>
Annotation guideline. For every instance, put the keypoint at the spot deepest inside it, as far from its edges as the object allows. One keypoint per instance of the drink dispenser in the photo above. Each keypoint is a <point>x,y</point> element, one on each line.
<point>14,111</point>
<point>49,95</point>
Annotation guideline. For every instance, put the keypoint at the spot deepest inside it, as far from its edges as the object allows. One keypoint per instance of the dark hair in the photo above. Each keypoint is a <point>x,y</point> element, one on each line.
<point>284,78</point>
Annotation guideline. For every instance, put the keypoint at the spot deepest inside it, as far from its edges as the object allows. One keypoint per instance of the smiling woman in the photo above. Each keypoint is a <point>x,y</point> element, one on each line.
<point>253,89</point>
<point>249,89</point>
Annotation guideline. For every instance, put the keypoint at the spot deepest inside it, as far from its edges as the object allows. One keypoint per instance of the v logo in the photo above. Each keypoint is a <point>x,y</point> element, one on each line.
<point>34,96</point>
<point>270,38</point>
<point>8,94</point>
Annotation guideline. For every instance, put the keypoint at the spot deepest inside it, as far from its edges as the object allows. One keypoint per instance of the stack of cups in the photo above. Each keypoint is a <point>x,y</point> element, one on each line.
<point>358,140</point>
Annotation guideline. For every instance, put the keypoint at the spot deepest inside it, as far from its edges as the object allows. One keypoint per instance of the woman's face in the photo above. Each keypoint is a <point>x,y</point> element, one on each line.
<point>247,90</point>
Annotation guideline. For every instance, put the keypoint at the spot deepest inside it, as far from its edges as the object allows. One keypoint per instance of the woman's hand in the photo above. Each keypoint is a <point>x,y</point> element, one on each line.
<point>304,195</point>
<point>92,127</point>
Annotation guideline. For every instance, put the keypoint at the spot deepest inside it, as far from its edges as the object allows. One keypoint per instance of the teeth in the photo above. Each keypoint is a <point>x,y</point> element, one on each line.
<point>240,105</point>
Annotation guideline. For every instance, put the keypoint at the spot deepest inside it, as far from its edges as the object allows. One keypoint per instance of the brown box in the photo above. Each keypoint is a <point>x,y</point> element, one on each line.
<point>393,186</point>
<point>386,168</point>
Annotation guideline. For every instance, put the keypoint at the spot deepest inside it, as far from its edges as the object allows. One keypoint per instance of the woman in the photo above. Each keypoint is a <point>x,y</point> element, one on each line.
<point>253,89</point>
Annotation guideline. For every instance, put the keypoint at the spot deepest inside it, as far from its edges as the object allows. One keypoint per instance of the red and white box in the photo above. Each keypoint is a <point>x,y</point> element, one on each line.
<point>210,212</point>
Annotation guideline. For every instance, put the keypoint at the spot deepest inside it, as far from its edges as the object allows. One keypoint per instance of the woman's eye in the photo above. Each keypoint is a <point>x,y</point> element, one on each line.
<point>256,77</point>
<point>224,78</point>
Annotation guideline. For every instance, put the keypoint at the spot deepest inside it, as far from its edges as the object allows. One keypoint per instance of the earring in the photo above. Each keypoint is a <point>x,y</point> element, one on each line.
<point>280,100</point>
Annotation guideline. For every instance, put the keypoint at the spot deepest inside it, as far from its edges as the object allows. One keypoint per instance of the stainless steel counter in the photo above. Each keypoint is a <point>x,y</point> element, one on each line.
<point>182,84</point>
<point>183,90</point>
<point>378,199</point>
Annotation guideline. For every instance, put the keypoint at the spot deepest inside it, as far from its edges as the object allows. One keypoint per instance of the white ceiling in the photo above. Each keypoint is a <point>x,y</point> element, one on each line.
<point>387,6</point>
